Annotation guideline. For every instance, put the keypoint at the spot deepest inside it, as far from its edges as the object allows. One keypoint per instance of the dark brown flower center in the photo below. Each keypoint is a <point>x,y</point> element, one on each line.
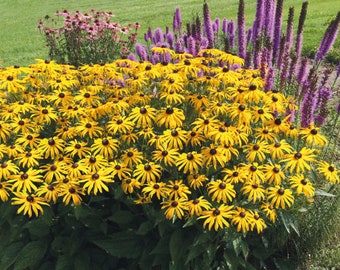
<point>50,187</point>
<point>277,121</point>
<point>147,167</point>
<point>222,185</point>
<point>156,186</point>
<point>77,146</point>
<point>44,111</point>
<point>242,214</point>
<point>71,190</point>
<point>235,174</point>
<point>331,168</point>
<point>260,111</point>
<point>92,160</point>
<point>276,170</point>
<point>253,168</point>
<point>196,201</point>
<point>95,176</point>
<point>143,110</point>
<point>29,137</point>
<point>190,156</point>
<point>118,167</point>
<point>254,186</point>
<point>174,204</point>
<point>169,111</point>
<point>88,125</point>
<point>24,176</point>
<point>303,182</point>
<point>4,165</point>
<point>30,198</point>
<point>298,155</point>
<point>241,108</point>
<point>256,147</point>
<point>53,168</point>
<point>216,212</point>
<point>213,151</point>
<point>314,132</point>
<point>174,133</point>
<point>105,142</point>
<point>281,191</point>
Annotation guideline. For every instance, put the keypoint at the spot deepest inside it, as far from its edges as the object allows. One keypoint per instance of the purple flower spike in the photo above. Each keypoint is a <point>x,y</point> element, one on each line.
<point>224,25</point>
<point>241,25</point>
<point>207,25</point>
<point>158,37</point>
<point>141,52</point>
<point>328,39</point>
<point>257,25</point>
<point>299,37</point>
<point>191,46</point>
<point>277,30</point>
<point>179,46</point>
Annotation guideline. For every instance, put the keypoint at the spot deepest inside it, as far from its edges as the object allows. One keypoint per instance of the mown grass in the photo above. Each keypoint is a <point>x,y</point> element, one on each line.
<point>21,43</point>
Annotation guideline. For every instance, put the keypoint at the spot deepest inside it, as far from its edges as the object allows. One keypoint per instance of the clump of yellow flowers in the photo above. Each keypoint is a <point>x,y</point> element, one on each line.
<point>197,136</point>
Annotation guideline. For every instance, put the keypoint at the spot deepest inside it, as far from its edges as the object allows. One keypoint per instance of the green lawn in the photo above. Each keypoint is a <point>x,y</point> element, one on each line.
<point>21,43</point>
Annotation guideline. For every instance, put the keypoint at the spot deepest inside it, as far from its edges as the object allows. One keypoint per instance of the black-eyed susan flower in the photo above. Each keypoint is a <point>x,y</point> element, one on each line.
<point>198,101</point>
<point>221,191</point>
<point>119,125</point>
<point>242,219</point>
<point>197,206</point>
<point>222,136</point>
<point>174,138</point>
<point>299,161</point>
<point>131,157</point>
<point>142,199</point>
<point>8,168</point>
<point>29,203</point>
<point>279,149</point>
<point>254,191</point>
<point>76,169</point>
<point>89,128</point>
<point>120,170</point>
<point>312,136</point>
<point>171,97</point>
<point>240,113</point>
<point>29,158</point>
<point>177,189</point>
<point>265,134</point>
<point>5,189</point>
<point>213,156</point>
<point>170,117</point>
<point>279,125</point>
<point>97,181</point>
<point>206,125</point>
<point>190,162</point>
<point>217,217</point>
<point>45,114</point>
<point>142,116</point>
<point>280,197</point>
<point>53,171</point>
<point>157,189</point>
<point>257,222</point>
<point>329,171</point>
<point>197,180</point>
<point>302,185</point>
<point>94,162</point>
<point>129,138</point>
<point>5,131</point>
<point>146,133</point>
<point>22,125</point>
<point>25,181</point>
<point>269,211</point>
<point>129,185</point>
<point>263,114</point>
<point>168,156</point>
<point>106,147</point>
<point>30,140</point>
<point>273,173</point>
<point>61,98</point>
<point>254,172</point>
<point>175,208</point>
<point>195,138</point>
<point>256,151</point>
<point>87,97</point>
<point>77,148</point>
<point>51,147</point>
<point>147,172</point>
<point>71,193</point>
<point>235,175</point>
<point>50,192</point>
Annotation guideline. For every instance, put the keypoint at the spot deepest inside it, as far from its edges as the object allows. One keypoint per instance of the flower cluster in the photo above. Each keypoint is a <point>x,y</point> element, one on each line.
<point>199,137</point>
<point>86,38</point>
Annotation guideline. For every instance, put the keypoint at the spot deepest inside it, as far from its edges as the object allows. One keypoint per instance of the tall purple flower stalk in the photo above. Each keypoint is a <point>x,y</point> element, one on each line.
<point>308,107</point>
<point>328,39</point>
<point>177,21</point>
<point>289,30</point>
<point>241,26</point>
<point>277,30</point>
<point>207,25</point>
<point>325,93</point>
<point>299,36</point>
<point>141,52</point>
<point>224,26</point>
<point>301,76</point>
<point>269,12</point>
<point>269,79</point>
<point>231,33</point>
<point>257,25</point>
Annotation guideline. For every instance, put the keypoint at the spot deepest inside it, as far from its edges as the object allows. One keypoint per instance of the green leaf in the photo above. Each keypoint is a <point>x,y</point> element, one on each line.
<point>64,262</point>
<point>121,217</point>
<point>37,228</point>
<point>289,222</point>
<point>321,192</point>
<point>144,228</point>
<point>9,254</point>
<point>123,244</point>
<point>31,255</point>
<point>194,252</point>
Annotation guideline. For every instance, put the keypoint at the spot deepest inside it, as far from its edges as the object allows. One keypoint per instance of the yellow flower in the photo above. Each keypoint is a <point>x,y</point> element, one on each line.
<point>166,155</point>
<point>213,156</point>
<point>29,203</point>
<point>269,211</point>
<point>256,151</point>
<point>44,115</point>
<point>77,148</point>
<point>25,181</point>
<point>120,169</point>
<point>142,117</point>
<point>242,218</point>
<point>279,149</point>
<point>190,162</point>
<point>97,181</point>
<point>197,206</point>
<point>170,117</point>
<point>302,185</point>
<point>174,138</point>
<point>221,191</point>
<point>51,147</point>
<point>313,136</point>
<point>235,175</point>
<point>49,191</point>
<point>175,208</point>
<point>8,168</point>
<point>71,193</point>
<point>216,217</point>
<point>129,185</point>
<point>176,189</point>
<point>273,173</point>
<point>132,157</point>
<point>53,171</point>
<point>147,172</point>
<point>254,191</point>
<point>5,189</point>
<point>329,171</point>
<point>257,222</point>
<point>90,128</point>
<point>280,197</point>
<point>157,189</point>
<point>106,147</point>
<point>297,161</point>
<point>197,180</point>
